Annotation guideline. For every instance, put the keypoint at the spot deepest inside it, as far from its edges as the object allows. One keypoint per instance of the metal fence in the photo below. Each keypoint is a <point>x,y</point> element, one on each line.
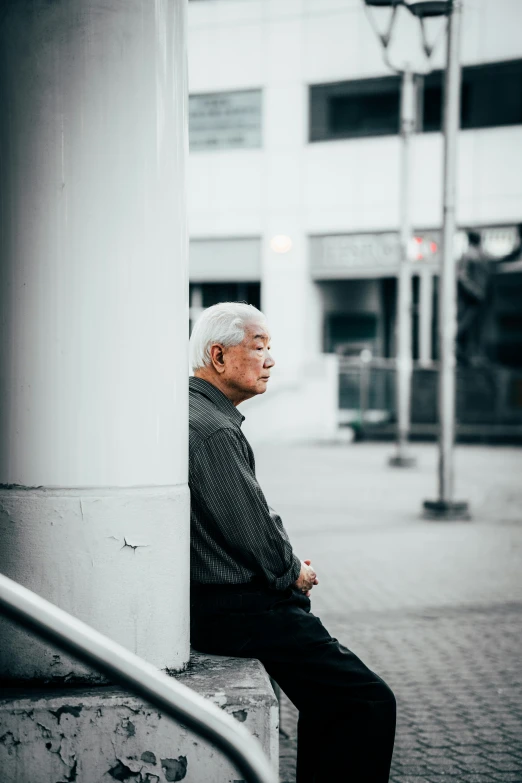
<point>489,399</point>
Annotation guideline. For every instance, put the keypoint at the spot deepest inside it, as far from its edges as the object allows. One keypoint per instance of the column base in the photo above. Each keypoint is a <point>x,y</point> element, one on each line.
<point>445,510</point>
<point>115,558</point>
<point>402,461</point>
<point>92,734</point>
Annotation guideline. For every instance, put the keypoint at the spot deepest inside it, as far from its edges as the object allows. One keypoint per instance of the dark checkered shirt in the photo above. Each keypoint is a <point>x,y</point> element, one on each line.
<point>235,536</point>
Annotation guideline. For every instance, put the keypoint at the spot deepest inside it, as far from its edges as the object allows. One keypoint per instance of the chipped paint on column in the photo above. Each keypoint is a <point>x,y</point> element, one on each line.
<point>98,734</point>
<point>94,504</point>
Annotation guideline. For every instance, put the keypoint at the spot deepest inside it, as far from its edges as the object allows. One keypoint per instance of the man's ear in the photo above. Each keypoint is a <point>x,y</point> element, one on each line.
<point>217,357</point>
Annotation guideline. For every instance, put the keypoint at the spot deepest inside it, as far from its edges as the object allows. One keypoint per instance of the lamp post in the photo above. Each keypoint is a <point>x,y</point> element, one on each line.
<point>445,507</point>
<point>408,122</point>
<point>404,364</point>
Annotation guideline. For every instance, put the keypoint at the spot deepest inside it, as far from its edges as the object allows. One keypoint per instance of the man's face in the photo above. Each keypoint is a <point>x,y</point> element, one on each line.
<point>248,365</point>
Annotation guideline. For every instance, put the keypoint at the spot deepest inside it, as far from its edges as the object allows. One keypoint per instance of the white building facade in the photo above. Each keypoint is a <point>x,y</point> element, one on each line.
<point>294,169</point>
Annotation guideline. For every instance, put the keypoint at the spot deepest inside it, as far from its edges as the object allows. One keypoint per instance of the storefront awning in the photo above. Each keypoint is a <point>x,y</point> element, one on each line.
<point>225,260</point>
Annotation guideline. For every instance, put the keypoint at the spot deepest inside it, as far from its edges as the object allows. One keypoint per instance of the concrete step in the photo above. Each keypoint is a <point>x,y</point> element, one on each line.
<point>51,734</point>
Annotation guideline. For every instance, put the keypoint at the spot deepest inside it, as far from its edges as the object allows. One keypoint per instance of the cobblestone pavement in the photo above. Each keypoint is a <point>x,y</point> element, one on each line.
<point>434,608</point>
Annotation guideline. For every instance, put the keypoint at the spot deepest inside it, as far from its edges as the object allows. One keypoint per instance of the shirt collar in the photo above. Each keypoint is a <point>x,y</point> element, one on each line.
<point>217,397</point>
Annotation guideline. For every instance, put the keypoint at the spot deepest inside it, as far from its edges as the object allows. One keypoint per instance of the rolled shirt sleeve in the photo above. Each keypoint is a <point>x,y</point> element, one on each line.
<point>227,490</point>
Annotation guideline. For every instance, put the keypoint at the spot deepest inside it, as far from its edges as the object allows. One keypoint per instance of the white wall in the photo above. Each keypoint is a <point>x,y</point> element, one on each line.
<point>349,185</point>
<point>297,407</point>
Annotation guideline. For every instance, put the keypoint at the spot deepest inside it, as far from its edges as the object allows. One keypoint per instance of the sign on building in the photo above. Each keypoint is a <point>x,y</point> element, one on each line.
<point>338,256</point>
<point>225,120</point>
<point>348,255</point>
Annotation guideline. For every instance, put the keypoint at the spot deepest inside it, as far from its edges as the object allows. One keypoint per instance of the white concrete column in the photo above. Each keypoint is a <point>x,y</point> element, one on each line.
<point>425,317</point>
<point>94,505</point>
<point>285,290</point>
<point>286,284</point>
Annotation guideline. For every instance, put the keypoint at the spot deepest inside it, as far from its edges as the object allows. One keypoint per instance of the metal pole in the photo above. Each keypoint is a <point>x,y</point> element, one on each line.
<point>364,390</point>
<point>448,289</point>
<point>425,317</point>
<point>446,507</point>
<point>404,294</point>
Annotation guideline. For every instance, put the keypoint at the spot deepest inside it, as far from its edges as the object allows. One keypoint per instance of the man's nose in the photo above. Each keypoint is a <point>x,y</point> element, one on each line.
<point>269,362</point>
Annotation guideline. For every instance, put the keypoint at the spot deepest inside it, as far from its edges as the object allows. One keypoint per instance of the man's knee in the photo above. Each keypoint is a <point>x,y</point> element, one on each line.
<point>385,694</point>
<point>372,692</point>
<point>385,703</point>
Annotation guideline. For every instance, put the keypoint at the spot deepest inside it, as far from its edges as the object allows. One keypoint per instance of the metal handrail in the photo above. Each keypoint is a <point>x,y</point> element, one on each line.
<point>142,678</point>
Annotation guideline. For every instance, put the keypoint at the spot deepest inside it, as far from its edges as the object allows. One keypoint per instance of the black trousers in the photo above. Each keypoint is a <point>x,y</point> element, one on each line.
<point>346,724</point>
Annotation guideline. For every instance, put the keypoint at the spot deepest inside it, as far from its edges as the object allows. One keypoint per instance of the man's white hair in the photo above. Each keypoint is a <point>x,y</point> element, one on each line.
<point>222,323</point>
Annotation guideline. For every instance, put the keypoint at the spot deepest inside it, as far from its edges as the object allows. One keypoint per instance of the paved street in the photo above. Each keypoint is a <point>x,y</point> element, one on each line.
<point>435,608</point>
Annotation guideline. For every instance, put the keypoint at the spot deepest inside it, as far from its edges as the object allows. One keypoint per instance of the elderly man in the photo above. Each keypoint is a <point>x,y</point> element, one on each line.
<point>249,591</point>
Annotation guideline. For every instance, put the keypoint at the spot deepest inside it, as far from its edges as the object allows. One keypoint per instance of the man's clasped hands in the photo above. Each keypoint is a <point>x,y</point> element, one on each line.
<point>307,578</point>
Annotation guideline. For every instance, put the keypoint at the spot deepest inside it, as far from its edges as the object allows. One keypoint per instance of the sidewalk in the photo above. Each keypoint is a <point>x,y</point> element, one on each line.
<point>434,608</point>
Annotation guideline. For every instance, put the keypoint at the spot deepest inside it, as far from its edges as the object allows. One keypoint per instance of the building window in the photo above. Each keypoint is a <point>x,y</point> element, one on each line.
<point>213,293</point>
<point>203,295</point>
<point>225,120</point>
<point>491,96</point>
<point>347,110</point>
<point>505,333</point>
<point>349,334</point>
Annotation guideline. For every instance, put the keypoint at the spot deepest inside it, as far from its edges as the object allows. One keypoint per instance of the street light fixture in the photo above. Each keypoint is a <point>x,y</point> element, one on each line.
<point>426,8</point>
<point>422,9</point>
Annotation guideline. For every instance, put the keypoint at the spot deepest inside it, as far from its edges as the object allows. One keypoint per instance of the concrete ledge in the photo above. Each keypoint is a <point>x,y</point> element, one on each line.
<point>91,735</point>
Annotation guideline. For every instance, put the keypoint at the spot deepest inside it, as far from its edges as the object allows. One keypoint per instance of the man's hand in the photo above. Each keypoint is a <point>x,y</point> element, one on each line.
<point>307,578</point>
